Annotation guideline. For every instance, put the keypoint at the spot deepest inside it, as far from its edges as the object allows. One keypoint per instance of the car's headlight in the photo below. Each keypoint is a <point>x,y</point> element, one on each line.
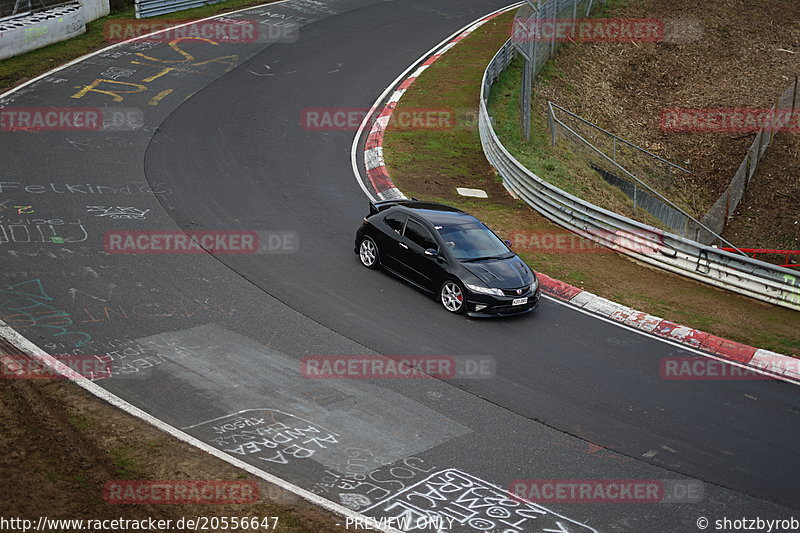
<point>484,290</point>
<point>534,285</point>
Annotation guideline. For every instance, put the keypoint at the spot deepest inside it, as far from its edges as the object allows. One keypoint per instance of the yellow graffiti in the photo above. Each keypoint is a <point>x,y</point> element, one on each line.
<point>174,45</point>
<point>157,98</point>
<point>163,71</point>
<point>121,88</point>
<point>115,94</point>
<point>231,61</point>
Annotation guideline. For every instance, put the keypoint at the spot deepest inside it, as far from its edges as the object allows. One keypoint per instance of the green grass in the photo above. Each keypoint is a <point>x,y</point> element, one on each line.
<point>18,69</point>
<point>773,342</point>
<point>124,463</point>
<point>55,475</point>
<point>80,422</point>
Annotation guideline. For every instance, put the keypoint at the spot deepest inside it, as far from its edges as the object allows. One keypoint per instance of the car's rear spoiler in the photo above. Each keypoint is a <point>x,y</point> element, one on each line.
<point>377,207</point>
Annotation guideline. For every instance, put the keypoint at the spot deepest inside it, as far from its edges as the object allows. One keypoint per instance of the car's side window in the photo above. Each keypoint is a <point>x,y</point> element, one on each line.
<point>396,221</point>
<point>419,235</point>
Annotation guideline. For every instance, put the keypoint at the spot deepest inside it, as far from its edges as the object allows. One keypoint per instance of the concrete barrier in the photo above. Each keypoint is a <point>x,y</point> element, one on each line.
<point>94,9</point>
<point>23,34</point>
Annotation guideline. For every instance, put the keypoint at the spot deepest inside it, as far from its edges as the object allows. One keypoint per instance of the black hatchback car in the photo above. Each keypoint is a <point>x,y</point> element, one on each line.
<point>449,254</point>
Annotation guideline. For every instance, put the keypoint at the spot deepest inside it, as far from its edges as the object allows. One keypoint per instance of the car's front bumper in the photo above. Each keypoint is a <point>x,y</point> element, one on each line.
<point>483,305</point>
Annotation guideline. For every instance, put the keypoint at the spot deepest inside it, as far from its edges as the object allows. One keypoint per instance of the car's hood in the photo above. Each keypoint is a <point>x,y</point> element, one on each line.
<point>501,273</point>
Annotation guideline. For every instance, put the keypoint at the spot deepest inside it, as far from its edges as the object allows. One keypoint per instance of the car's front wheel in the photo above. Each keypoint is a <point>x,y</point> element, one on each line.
<point>368,253</point>
<point>452,296</point>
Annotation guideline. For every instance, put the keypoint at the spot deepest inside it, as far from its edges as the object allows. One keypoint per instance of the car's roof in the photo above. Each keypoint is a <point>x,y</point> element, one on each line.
<point>438,214</point>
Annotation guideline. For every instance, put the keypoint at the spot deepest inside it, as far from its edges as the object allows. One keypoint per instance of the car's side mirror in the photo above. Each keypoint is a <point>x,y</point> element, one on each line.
<point>508,243</point>
<point>430,252</point>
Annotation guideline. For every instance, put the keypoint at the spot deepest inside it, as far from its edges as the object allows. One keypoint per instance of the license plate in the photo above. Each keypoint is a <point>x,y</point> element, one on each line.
<point>519,301</point>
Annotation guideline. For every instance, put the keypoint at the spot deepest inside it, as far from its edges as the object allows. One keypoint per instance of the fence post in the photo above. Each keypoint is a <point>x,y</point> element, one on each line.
<point>525,99</point>
<point>773,131</point>
<point>794,98</point>
<point>553,21</point>
<point>752,163</point>
<point>535,42</point>
<point>18,7</point>
<point>727,208</point>
<point>574,17</point>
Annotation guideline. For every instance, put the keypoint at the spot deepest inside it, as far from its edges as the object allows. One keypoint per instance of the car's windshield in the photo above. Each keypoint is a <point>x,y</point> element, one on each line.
<point>472,241</point>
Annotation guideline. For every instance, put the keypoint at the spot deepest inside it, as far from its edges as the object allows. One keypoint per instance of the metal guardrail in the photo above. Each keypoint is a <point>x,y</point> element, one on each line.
<point>741,274</point>
<point>152,8</point>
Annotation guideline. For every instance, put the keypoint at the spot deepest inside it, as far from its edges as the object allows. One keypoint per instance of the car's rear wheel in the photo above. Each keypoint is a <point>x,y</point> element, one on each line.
<point>368,253</point>
<point>452,296</point>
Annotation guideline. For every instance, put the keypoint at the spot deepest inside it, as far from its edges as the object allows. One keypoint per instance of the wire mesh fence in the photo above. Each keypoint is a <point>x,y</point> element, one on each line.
<point>649,181</point>
<point>539,30</point>
<point>783,112</point>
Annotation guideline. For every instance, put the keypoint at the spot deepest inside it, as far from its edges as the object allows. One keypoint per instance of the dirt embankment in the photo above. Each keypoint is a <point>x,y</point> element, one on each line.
<point>716,54</point>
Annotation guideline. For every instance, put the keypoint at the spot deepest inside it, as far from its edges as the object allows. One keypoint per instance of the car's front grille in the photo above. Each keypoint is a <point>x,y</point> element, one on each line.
<point>514,293</point>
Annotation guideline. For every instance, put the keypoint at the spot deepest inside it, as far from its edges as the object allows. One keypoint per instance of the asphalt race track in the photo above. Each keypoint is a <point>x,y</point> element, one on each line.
<point>212,344</point>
